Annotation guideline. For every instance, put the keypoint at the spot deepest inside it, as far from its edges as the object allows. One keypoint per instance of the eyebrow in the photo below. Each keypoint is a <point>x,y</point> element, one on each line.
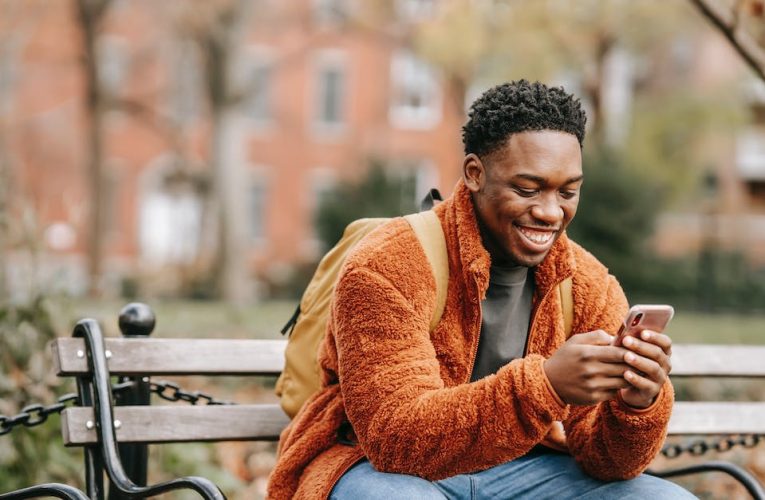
<point>543,181</point>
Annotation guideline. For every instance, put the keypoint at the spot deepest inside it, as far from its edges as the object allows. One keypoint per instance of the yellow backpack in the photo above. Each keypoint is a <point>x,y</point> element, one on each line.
<point>300,377</point>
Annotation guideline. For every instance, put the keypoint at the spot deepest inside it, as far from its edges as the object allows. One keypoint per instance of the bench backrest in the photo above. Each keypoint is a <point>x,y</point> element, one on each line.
<point>180,423</point>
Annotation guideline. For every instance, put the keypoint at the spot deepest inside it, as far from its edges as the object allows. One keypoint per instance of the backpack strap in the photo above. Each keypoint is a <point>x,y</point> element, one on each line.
<point>567,304</point>
<point>427,228</point>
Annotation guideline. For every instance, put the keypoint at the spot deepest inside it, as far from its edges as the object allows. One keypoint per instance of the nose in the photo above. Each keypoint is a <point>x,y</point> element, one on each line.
<point>548,210</point>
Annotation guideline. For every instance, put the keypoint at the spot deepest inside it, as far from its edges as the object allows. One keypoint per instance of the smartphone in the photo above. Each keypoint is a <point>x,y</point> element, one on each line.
<point>644,317</point>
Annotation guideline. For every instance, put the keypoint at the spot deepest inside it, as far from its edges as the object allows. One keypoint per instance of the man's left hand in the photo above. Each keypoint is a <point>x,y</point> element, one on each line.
<point>649,358</point>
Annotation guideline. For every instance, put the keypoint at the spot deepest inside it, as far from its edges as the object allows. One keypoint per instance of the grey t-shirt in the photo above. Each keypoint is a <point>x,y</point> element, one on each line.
<point>506,312</point>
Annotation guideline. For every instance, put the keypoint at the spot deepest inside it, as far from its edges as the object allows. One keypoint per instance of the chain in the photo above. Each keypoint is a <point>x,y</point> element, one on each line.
<point>700,447</point>
<point>170,391</point>
<point>36,414</point>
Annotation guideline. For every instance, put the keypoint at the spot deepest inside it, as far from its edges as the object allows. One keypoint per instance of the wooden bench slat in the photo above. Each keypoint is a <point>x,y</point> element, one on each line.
<point>266,357</point>
<point>718,360</point>
<point>176,356</point>
<point>167,424</point>
<point>717,418</point>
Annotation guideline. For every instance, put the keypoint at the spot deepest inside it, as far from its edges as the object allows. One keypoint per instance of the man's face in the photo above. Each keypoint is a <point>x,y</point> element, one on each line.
<point>525,194</point>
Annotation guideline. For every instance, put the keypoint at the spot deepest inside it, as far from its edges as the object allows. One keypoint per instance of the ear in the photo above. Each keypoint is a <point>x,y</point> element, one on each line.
<point>473,173</point>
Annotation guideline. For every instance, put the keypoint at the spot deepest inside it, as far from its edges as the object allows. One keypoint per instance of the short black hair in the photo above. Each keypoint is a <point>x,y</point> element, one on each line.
<point>519,106</point>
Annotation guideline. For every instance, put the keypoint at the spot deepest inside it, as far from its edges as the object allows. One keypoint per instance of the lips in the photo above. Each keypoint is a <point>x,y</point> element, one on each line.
<point>536,239</point>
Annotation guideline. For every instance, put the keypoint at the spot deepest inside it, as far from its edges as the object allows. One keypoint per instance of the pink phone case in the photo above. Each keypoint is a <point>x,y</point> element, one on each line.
<point>644,317</point>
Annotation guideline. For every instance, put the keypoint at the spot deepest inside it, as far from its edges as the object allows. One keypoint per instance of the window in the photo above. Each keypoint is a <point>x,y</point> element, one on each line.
<point>415,10</point>
<point>330,90</point>
<point>259,98</point>
<point>257,202</point>
<point>416,96</point>
<point>323,181</point>
<point>328,13</point>
<point>113,60</point>
<point>186,98</point>
<point>750,154</point>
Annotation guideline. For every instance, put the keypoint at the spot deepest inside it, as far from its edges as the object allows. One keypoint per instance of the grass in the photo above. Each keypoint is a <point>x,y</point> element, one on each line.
<point>705,328</point>
<point>195,319</point>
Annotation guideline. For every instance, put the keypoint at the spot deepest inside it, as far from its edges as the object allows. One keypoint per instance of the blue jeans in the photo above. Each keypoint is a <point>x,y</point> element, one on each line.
<point>537,475</point>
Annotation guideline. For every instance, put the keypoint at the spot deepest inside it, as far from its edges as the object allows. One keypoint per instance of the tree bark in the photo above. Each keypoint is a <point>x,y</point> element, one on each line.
<point>89,14</point>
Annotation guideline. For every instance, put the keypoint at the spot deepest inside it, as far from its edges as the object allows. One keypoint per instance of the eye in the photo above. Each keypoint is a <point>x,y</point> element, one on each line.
<point>527,193</point>
<point>569,194</point>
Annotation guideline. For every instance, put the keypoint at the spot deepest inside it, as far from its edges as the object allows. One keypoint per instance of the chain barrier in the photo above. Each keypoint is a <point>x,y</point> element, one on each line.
<point>170,391</point>
<point>700,447</point>
<point>36,414</point>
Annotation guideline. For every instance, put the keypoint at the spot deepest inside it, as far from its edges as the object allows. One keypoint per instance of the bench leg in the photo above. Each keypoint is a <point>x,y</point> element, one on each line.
<point>46,490</point>
<point>741,475</point>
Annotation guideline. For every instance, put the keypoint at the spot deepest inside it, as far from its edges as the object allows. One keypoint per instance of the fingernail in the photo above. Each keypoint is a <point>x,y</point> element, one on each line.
<point>646,335</point>
<point>627,341</point>
<point>630,357</point>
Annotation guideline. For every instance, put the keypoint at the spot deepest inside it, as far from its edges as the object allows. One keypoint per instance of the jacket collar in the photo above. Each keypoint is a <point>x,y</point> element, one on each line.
<point>475,260</point>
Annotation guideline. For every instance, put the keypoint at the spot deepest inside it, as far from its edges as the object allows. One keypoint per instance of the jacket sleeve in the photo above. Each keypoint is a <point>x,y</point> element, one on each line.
<point>610,440</point>
<point>404,417</point>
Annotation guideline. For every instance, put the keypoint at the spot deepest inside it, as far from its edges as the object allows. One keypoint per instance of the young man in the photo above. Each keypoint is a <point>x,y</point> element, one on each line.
<point>475,407</point>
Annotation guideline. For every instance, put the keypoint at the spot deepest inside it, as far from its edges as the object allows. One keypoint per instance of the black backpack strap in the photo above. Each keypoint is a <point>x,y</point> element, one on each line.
<point>287,329</point>
<point>429,201</point>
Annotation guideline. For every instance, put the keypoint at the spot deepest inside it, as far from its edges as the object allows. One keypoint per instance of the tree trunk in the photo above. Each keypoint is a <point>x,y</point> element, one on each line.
<point>230,190</point>
<point>89,15</point>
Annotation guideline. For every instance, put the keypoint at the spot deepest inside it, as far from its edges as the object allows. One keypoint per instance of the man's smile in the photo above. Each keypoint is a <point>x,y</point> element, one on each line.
<point>535,238</point>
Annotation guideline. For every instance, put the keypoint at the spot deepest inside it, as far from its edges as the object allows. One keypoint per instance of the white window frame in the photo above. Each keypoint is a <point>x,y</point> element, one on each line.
<point>258,57</point>
<point>410,74</point>
<point>329,59</point>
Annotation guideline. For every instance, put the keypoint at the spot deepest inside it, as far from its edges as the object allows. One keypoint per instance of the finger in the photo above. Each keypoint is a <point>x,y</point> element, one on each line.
<point>659,339</point>
<point>614,383</point>
<point>604,353</point>
<point>596,337</point>
<point>648,367</point>
<point>650,351</point>
<point>645,385</point>
<point>611,369</point>
<point>643,348</point>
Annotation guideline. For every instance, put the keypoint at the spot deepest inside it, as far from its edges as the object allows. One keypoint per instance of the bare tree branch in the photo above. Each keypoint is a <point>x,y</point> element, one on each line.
<point>726,21</point>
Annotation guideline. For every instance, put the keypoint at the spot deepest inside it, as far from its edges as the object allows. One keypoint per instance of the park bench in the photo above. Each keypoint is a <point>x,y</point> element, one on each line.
<point>115,435</point>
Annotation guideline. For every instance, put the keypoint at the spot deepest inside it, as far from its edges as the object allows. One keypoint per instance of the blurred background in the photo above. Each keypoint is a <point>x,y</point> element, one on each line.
<point>202,155</point>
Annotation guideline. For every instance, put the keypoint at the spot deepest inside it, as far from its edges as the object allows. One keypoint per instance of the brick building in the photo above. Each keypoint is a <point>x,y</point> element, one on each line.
<point>327,96</point>
<point>330,88</point>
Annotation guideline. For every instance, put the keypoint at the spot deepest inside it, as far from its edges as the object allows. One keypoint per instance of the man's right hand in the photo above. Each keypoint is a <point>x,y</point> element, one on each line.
<point>587,369</point>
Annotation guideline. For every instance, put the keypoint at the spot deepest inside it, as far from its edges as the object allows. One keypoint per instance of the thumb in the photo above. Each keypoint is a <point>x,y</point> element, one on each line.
<point>596,337</point>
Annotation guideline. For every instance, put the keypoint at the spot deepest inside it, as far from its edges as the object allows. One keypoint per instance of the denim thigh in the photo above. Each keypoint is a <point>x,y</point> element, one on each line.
<point>537,475</point>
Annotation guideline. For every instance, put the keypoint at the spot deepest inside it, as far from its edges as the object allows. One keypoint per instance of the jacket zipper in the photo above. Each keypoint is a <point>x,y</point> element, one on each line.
<point>536,311</point>
<point>477,337</point>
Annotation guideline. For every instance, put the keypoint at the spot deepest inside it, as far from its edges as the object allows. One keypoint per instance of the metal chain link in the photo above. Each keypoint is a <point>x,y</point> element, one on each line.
<point>176,393</point>
<point>700,447</point>
<point>36,414</point>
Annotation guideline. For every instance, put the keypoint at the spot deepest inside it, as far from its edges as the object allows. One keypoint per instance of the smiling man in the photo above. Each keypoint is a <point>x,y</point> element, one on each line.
<point>498,401</point>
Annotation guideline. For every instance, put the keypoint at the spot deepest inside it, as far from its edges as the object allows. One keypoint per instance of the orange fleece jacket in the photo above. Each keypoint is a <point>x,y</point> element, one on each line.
<point>406,391</point>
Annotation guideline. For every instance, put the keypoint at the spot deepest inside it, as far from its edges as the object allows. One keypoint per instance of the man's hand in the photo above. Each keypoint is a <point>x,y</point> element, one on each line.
<point>649,360</point>
<point>587,369</point>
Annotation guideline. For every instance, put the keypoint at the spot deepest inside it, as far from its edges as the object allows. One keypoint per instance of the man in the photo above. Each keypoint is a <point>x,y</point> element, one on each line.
<point>473,408</point>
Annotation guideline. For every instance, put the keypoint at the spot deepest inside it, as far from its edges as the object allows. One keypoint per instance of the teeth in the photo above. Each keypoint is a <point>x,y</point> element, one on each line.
<point>539,237</point>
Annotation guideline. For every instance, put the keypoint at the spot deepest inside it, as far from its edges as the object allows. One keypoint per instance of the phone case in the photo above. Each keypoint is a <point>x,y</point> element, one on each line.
<point>641,317</point>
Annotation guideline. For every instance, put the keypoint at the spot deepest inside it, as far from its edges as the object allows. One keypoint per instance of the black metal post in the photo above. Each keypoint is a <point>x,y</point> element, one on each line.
<point>135,320</point>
